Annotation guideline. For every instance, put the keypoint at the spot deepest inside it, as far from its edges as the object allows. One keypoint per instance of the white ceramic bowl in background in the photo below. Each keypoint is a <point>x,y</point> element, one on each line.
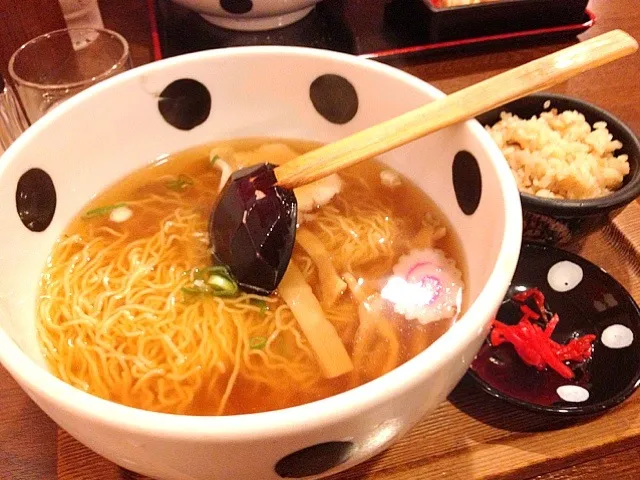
<point>104,133</point>
<point>251,14</point>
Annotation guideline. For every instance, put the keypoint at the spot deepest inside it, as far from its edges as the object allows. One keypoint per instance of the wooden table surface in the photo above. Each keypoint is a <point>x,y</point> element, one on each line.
<point>32,447</point>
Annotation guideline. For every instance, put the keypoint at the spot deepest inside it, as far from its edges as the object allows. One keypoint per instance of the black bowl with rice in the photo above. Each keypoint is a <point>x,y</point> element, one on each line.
<point>575,171</point>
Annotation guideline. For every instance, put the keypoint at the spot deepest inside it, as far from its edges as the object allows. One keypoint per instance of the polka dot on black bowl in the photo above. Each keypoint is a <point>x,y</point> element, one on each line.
<point>467,182</point>
<point>236,6</point>
<point>314,460</point>
<point>564,276</point>
<point>617,336</point>
<point>334,97</point>
<point>36,199</point>
<point>185,103</point>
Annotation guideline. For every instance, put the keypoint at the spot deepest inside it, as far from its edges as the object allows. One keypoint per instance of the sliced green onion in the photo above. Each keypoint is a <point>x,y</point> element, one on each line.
<point>215,281</point>
<point>101,211</point>
<point>192,290</point>
<point>257,343</point>
<point>182,182</point>
<point>222,285</point>
<point>260,304</point>
<point>205,273</point>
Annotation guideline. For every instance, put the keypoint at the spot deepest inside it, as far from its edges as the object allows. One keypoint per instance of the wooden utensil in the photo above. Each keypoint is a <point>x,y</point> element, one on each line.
<point>462,105</point>
<point>253,233</point>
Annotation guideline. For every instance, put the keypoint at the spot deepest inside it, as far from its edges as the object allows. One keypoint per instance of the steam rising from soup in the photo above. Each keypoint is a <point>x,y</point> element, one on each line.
<point>132,311</point>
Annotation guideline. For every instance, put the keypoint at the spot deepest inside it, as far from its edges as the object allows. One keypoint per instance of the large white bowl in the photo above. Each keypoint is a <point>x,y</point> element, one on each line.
<point>97,137</point>
<point>251,14</point>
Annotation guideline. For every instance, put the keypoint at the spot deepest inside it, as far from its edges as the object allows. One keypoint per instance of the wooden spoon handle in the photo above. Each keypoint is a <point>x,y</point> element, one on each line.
<point>461,105</point>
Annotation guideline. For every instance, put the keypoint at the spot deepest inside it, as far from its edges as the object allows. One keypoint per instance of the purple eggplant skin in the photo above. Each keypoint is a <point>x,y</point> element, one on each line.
<point>252,228</point>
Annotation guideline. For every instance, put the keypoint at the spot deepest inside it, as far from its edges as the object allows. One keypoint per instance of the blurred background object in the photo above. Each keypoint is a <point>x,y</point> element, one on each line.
<point>247,15</point>
<point>81,14</point>
<point>20,21</point>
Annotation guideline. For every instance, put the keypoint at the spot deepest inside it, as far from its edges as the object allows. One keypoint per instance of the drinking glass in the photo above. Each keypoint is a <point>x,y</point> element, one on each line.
<point>12,121</point>
<point>55,66</point>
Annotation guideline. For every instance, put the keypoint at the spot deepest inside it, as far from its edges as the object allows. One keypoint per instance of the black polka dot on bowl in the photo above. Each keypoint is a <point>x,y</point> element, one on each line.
<point>185,103</point>
<point>36,199</point>
<point>467,181</point>
<point>314,460</point>
<point>334,97</point>
<point>236,6</point>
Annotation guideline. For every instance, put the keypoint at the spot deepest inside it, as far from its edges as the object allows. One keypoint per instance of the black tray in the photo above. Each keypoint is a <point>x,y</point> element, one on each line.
<point>380,29</point>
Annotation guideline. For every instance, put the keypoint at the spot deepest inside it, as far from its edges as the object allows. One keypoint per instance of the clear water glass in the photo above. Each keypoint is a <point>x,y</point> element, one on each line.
<point>55,66</point>
<point>12,120</point>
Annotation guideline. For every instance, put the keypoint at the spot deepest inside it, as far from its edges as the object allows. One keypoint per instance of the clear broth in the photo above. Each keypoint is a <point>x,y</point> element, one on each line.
<point>405,205</point>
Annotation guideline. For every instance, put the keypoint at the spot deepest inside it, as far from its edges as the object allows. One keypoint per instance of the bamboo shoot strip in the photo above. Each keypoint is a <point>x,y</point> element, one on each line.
<point>331,285</point>
<point>320,333</point>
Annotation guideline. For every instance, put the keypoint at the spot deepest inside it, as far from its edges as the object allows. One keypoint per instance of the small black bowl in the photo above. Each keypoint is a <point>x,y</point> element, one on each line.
<point>556,221</point>
<point>587,301</point>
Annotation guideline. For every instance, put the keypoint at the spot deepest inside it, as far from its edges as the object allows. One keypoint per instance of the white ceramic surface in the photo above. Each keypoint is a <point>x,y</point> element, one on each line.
<point>251,14</point>
<point>103,133</point>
